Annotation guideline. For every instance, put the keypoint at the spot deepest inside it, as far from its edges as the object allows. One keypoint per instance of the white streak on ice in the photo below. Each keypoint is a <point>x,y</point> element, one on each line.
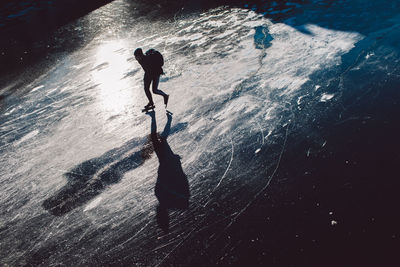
<point>229,165</point>
<point>26,137</point>
<point>93,203</point>
<point>326,97</point>
<point>37,88</point>
<point>262,134</point>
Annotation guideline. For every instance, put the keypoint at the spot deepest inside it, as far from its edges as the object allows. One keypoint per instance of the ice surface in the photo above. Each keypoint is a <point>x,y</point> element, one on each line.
<point>78,172</point>
<point>221,84</point>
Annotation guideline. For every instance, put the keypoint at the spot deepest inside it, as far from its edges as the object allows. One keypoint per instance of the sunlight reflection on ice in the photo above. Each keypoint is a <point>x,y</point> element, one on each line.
<point>110,67</point>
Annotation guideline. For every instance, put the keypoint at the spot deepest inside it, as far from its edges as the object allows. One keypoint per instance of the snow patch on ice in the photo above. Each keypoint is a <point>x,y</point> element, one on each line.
<point>294,56</point>
<point>299,99</point>
<point>369,55</point>
<point>326,97</point>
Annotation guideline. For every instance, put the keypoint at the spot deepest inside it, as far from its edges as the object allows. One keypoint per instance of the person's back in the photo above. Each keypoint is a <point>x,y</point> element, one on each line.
<point>156,61</point>
<point>151,62</point>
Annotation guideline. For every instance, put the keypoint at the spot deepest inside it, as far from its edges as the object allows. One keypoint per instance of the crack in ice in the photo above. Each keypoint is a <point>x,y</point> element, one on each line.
<point>223,176</point>
<point>229,165</point>
<point>262,189</point>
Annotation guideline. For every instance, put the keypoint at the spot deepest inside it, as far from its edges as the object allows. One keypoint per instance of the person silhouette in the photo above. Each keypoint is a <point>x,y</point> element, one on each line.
<point>172,187</point>
<point>151,63</point>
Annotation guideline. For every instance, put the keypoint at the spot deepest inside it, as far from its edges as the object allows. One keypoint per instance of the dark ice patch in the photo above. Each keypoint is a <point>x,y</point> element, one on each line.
<point>262,38</point>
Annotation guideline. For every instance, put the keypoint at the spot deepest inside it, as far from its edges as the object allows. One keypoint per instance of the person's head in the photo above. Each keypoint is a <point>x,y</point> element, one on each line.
<point>138,54</point>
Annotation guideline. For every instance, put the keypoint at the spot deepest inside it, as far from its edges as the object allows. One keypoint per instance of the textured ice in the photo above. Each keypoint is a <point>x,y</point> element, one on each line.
<point>26,137</point>
<point>231,98</point>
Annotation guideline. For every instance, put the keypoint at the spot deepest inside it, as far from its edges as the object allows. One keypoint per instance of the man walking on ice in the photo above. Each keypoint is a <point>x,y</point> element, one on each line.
<point>151,63</point>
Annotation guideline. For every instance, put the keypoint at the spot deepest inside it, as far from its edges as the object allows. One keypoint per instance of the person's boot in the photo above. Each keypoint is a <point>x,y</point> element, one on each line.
<point>149,105</point>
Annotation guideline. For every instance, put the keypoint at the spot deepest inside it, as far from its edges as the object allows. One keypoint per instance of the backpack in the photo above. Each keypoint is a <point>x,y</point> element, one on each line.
<point>156,57</point>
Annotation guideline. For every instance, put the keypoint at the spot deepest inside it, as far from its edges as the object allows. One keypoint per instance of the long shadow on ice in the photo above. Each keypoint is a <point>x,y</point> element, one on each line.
<point>91,177</point>
<point>172,187</point>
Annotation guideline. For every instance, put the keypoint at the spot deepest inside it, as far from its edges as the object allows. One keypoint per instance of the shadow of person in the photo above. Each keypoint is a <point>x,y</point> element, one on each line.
<point>172,187</point>
<point>91,177</point>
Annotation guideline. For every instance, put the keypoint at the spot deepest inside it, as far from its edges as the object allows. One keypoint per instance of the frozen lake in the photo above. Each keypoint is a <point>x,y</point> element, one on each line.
<point>284,130</point>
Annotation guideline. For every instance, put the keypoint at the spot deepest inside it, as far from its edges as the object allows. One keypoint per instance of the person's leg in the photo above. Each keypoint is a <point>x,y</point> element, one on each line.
<point>147,81</point>
<point>156,91</point>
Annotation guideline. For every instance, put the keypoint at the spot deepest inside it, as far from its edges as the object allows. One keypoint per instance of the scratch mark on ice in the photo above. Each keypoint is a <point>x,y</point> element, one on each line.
<point>223,176</point>
<point>262,133</point>
<point>164,245</point>
<point>229,165</point>
<point>265,187</point>
<point>177,246</point>
<point>132,237</point>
